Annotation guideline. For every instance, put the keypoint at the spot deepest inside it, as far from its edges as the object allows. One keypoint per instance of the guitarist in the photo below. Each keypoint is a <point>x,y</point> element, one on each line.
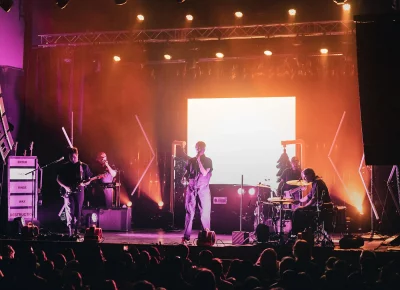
<point>71,178</point>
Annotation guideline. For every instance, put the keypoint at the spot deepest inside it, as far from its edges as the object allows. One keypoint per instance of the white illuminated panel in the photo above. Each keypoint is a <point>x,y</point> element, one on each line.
<point>243,136</point>
<point>21,174</point>
<point>20,200</point>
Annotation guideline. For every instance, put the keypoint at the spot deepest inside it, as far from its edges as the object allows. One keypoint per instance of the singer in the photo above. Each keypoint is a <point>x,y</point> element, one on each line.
<point>71,178</point>
<point>198,174</point>
<point>319,195</point>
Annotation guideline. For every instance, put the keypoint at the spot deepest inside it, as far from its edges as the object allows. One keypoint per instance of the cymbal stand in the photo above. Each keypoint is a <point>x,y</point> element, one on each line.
<point>321,237</point>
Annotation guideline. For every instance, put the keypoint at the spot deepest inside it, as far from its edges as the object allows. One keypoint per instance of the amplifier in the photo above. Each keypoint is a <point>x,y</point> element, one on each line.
<point>118,219</point>
<point>225,208</point>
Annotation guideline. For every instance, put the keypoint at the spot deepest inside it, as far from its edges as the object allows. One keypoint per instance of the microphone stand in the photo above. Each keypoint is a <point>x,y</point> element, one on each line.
<point>33,187</point>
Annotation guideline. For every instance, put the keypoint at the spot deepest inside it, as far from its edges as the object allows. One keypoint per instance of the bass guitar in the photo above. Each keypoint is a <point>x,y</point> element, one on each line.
<point>64,193</point>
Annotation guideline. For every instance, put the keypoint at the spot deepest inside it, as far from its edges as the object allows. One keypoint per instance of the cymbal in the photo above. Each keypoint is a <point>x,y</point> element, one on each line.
<point>263,185</point>
<point>282,200</point>
<point>298,182</point>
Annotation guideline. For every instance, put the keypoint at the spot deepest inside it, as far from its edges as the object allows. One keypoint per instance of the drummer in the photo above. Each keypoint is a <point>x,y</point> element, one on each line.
<point>292,173</point>
<point>318,195</point>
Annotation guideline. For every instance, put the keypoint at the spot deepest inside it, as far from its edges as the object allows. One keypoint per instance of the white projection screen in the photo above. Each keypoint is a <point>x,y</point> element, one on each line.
<point>243,136</point>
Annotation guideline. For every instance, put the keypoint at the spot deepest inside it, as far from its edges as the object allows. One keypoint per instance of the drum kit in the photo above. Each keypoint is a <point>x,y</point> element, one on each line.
<point>279,208</point>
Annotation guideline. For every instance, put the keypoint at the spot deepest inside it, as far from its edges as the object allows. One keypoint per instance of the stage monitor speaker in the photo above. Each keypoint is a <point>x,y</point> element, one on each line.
<point>378,59</point>
<point>118,219</point>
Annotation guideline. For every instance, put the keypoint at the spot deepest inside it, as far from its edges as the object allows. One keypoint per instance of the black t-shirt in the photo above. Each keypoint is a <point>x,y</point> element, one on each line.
<point>71,174</point>
<point>290,174</point>
<point>319,192</point>
<point>194,174</point>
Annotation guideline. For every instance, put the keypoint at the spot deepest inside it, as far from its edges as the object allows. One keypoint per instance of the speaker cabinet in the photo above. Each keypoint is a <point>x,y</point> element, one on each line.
<point>225,208</point>
<point>378,60</point>
<point>118,219</point>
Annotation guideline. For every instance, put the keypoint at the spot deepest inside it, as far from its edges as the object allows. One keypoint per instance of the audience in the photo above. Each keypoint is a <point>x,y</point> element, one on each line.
<point>154,269</point>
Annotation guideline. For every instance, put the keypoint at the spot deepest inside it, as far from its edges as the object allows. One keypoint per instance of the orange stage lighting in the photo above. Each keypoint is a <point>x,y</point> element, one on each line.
<point>292,12</point>
<point>268,52</point>
<point>160,203</point>
<point>239,14</point>
<point>167,56</point>
<point>219,55</point>
<point>140,17</point>
<point>189,17</point>
<point>117,58</point>
<point>129,204</point>
<point>324,50</point>
<point>346,7</point>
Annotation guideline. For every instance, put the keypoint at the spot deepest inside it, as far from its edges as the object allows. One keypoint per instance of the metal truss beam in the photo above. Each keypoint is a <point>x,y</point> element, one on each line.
<point>199,34</point>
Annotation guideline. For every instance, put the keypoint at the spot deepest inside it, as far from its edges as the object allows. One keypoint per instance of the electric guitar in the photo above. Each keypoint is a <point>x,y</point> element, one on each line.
<point>64,193</point>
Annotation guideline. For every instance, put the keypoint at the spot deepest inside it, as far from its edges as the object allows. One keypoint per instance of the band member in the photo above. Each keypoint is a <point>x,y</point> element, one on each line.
<point>319,194</point>
<point>108,174</point>
<point>198,174</point>
<point>71,177</point>
<point>293,173</point>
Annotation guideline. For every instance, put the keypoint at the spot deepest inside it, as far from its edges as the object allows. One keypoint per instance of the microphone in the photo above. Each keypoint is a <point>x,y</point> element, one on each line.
<point>58,160</point>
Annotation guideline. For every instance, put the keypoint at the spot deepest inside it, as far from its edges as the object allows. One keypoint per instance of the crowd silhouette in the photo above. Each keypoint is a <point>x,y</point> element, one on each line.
<point>153,268</point>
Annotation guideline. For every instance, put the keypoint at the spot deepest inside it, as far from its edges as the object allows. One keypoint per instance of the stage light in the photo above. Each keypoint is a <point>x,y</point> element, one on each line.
<point>120,2</point>
<point>160,203</point>
<point>268,52</point>
<point>252,191</point>
<point>241,190</point>
<point>324,50</point>
<point>129,204</point>
<point>117,58</point>
<point>180,1</point>
<point>7,4</point>
<point>140,17</point>
<point>292,12</point>
<point>167,56</point>
<point>62,3</point>
<point>239,14</point>
<point>94,217</point>
<point>346,7</point>
<point>340,2</point>
<point>219,55</point>
<point>189,17</point>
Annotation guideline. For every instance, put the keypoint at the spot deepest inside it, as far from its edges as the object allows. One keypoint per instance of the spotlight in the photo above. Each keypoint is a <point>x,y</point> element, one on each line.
<point>120,2</point>
<point>346,7</point>
<point>240,190</point>
<point>160,203</point>
<point>292,12</point>
<point>252,191</point>
<point>140,17</point>
<point>117,58</point>
<point>62,3</point>
<point>180,1</point>
<point>167,56</point>
<point>189,17</point>
<point>7,4</point>
<point>239,14</point>
<point>340,2</point>
<point>129,204</point>
<point>219,55</point>
<point>323,50</point>
<point>268,52</point>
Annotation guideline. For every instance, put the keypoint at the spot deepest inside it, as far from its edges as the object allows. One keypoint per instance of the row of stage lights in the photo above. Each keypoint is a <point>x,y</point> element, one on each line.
<point>239,14</point>
<point>7,4</point>
<point>220,55</point>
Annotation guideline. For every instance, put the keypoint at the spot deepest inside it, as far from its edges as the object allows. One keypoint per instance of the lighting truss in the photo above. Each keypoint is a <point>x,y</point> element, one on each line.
<point>200,34</point>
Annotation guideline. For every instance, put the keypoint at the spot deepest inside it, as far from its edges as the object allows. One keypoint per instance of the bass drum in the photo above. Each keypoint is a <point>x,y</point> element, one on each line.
<point>286,220</point>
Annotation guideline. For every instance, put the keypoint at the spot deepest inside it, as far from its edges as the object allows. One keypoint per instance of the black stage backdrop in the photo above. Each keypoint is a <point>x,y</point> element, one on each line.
<point>105,96</point>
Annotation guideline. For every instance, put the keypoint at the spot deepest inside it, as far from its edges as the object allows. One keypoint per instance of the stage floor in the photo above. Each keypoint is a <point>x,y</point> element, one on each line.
<point>154,236</point>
